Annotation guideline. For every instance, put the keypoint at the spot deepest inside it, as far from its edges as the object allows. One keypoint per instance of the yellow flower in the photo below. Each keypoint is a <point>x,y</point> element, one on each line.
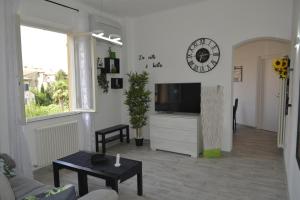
<point>277,63</point>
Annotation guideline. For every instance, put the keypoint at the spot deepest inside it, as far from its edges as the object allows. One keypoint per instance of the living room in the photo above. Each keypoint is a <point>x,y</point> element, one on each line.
<point>156,36</point>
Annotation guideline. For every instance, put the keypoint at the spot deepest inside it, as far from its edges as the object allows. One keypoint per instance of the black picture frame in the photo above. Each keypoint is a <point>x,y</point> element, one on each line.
<point>116,83</point>
<point>112,65</point>
<point>298,135</point>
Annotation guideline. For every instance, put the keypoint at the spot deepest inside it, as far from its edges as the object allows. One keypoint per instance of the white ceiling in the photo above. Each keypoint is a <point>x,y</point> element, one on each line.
<point>135,8</point>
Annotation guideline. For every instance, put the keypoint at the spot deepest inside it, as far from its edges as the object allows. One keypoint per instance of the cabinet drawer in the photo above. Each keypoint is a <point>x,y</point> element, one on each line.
<point>174,123</point>
<point>174,146</point>
<point>173,134</point>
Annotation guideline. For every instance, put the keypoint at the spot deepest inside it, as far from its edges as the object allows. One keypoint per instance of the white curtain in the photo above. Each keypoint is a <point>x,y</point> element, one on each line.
<point>18,147</point>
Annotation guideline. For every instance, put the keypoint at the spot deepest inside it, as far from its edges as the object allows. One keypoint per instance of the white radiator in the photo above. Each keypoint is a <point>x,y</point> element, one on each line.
<point>281,115</point>
<point>55,142</point>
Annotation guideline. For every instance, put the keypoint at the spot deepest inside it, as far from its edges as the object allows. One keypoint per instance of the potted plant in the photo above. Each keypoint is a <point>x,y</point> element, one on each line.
<point>137,100</point>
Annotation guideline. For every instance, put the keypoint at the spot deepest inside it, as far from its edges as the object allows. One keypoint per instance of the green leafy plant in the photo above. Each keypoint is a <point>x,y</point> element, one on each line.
<point>61,92</point>
<point>33,110</point>
<point>43,97</point>
<point>137,100</point>
<point>111,53</point>
<point>102,81</point>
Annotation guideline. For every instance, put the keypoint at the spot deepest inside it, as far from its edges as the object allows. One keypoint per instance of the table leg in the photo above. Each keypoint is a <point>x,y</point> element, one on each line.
<point>108,183</point>
<point>127,134</point>
<point>82,183</point>
<point>114,185</point>
<point>140,183</point>
<point>56,175</point>
<point>121,135</point>
<point>97,142</point>
<point>103,144</point>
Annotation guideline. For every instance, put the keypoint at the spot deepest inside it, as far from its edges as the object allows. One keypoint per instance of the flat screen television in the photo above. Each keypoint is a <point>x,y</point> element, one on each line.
<point>178,97</point>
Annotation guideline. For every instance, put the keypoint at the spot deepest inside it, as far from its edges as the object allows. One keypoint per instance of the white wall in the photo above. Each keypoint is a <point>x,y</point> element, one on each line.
<point>229,22</point>
<point>108,105</point>
<point>293,171</point>
<point>247,56</point>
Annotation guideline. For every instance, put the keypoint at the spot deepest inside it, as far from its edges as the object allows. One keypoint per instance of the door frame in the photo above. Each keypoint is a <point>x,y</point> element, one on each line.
<point>261,65</point>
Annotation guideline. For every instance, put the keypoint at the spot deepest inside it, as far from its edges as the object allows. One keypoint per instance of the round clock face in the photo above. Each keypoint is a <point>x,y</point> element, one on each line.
<point>203,55</point>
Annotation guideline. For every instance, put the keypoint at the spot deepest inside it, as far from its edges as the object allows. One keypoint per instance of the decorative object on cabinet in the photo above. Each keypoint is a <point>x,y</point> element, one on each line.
<point>212,104</point>
<point>238,74</point>
<point>203,55</point>
<point>112,65</point>
<point>138,100</point>
<point>116,83</point>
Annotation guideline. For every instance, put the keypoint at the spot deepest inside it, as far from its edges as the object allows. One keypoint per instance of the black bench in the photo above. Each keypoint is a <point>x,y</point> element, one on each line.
<point>110,130</point>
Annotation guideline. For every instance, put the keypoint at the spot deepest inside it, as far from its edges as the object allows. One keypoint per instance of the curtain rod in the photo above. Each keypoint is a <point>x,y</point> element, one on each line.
<point>59,4</point>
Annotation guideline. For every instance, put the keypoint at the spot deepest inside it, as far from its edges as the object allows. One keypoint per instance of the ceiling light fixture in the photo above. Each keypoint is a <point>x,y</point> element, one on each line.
<point>109,39</point>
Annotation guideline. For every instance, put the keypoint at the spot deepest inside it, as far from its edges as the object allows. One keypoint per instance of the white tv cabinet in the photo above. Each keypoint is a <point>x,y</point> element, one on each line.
<point>177,133</point>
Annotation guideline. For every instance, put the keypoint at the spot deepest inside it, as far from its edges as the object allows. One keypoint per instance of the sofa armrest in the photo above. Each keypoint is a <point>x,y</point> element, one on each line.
<point>102,194</point>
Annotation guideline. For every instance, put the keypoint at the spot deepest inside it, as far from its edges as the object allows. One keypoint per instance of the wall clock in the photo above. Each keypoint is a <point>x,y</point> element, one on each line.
<point>203,55</point>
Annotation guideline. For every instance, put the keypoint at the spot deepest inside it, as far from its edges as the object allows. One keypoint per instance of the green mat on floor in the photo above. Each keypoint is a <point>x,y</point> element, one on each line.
<point>212,153</point>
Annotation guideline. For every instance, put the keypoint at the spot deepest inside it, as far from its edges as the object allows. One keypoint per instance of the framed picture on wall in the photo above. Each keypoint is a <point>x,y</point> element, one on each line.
<point>298,136</point>
<point>238,74</point>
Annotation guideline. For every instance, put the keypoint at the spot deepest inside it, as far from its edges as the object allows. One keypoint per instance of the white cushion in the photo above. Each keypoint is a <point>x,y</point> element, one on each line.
<point>6,192</point>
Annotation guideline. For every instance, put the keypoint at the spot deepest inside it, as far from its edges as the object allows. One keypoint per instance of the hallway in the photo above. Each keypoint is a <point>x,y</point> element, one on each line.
<point>259,144</point>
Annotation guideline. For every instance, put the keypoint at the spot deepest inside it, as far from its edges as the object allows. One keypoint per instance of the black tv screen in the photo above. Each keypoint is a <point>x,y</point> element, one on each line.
<point>178,97</point>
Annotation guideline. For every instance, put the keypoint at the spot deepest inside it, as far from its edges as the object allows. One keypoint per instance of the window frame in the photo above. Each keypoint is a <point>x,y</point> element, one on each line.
<point>73,110</point>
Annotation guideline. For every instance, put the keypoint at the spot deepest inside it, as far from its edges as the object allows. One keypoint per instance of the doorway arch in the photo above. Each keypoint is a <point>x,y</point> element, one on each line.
<point>242,44</point>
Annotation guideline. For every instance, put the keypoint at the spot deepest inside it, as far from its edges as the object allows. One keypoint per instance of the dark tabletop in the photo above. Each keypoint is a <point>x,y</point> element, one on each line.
<point>83,159</point>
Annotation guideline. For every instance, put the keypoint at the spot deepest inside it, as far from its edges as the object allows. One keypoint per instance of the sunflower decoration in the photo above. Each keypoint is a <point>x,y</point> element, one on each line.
<point>281,67</point>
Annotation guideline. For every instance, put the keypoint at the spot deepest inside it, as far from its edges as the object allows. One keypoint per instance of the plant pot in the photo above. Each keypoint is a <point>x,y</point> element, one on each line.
<point>139,142</point>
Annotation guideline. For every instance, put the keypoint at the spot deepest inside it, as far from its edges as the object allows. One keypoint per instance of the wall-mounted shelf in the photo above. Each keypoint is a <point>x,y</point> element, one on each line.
<point>116,83</point>
<point>112,65</point>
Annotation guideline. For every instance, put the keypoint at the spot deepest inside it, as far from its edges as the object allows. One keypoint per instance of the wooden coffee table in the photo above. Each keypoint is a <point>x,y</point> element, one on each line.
<point>80,162</point>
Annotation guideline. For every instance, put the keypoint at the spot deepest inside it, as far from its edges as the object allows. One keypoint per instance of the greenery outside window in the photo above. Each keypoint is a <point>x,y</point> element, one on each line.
<point>46,74</point>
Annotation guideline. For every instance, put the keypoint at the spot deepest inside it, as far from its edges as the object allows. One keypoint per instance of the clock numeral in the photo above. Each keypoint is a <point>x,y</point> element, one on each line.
<point>216,54</point>
<point>202,41</point>
<point>214,47</point>
<point>194,67</point>
<point>189,56</point>
<point>208,67</point>
<point>191,63</point>
<point>202,69</point>
<point>213,62</point>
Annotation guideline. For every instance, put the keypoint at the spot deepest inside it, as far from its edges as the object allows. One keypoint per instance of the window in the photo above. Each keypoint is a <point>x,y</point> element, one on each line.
<point>45,72</point>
